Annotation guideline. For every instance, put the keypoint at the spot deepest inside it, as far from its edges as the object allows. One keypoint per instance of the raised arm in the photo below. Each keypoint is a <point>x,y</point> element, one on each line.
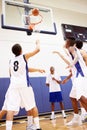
<point>62,57</point>
<point>36,70</point>
<point>37,49</point>
<point>74,60</point>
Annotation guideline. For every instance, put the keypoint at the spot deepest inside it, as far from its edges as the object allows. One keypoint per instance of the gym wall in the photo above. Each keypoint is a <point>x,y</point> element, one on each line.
<point>42,60</point>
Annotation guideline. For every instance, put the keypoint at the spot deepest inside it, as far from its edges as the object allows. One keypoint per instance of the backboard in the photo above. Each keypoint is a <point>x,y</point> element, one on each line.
<point>18,16</point>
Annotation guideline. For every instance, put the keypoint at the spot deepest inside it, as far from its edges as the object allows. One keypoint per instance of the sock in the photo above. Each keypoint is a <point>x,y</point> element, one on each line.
<point>76,115</point>
<point>36,121</point>
<point>9,125</point>
<point>29,120</point>
<point>63,113</point>
<point>52,112</point>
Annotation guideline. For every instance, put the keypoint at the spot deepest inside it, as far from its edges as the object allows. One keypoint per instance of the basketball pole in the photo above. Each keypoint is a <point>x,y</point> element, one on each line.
<point>26,9</point>
<point>26,13</point>
<point>26,1</point>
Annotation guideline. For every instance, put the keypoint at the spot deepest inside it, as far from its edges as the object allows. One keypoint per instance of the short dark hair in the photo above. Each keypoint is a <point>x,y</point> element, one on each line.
<point>79,44</point>
<point>71,41</point>
<point>71,38</point>
<point>16,49</point>
<point>51,67</point>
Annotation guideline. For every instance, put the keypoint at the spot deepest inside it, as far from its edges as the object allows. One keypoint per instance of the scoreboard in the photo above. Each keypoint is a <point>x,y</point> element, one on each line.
<point>77,32</point>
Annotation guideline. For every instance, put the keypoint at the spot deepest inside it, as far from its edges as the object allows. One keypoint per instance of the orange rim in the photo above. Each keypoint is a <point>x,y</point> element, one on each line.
<point>32,25</point>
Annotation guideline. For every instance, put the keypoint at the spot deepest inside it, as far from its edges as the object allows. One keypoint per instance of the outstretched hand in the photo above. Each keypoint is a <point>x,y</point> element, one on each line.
<point>38,44</point>
<point>69,66</point>
<point>55,52</point>
<point>68,77</point>
<point>41,71</point>
<point>37,41</point>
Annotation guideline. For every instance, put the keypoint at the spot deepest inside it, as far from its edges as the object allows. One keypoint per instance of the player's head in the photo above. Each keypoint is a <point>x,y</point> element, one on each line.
<point>70,41</point>
<point>52,69</point>
<point>16,49</point>
<point>79,44</point>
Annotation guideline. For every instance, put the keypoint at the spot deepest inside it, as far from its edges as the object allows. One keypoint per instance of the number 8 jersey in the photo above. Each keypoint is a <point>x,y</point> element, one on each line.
<point>19,72</point>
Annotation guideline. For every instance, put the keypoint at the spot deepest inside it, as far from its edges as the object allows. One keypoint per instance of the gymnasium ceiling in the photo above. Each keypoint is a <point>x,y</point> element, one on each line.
<point>73,5</point>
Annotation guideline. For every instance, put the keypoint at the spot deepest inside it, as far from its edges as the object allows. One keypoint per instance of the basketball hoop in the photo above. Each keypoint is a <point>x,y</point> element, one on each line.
<point>36,15</point>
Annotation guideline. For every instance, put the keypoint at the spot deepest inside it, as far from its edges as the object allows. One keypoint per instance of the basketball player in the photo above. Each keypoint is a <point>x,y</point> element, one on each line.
<point>78,79</point>
<point>53,81</point>
<point>79,45</point>
<point>29,113</point>
<point>20,92</point>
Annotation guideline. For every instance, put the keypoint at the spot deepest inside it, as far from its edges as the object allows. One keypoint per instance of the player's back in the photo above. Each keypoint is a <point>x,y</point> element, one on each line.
<point>18,70</point>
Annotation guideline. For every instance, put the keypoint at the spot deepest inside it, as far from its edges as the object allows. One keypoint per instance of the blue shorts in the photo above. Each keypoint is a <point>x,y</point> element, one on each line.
<point>55,96</point>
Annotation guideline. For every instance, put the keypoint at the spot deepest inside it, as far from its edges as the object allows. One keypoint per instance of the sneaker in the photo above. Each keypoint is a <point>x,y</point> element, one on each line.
<point>64,115</point>
<point>75,121</point>
<point>52,117</point>
<point>84,118</point>
<point>31,127</point>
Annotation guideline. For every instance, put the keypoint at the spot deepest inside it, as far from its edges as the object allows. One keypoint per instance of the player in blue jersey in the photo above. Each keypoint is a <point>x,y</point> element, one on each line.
<point>20,92</point>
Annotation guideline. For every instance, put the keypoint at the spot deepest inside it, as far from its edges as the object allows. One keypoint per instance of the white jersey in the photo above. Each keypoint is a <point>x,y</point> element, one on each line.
<point>53,85</point>
<point>82,63</point>
<point>79,82</point>
<point>80,68</point>
<point>19,94</point>
<point>19,72</point>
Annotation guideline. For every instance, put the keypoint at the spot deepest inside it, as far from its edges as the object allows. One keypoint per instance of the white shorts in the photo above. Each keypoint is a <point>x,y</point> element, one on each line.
<point>73,92</point>
<point>19,97</point>
<point>79,87</point>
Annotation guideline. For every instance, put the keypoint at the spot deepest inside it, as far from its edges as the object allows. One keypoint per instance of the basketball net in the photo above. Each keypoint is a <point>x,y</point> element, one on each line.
<point>39,19</point>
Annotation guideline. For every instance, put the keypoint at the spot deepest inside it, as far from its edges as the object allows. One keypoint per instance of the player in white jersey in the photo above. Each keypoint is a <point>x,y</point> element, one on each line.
<point>53,81</point>
<point>79,69</point>
<point>79,45</point>
<point>20,92</point>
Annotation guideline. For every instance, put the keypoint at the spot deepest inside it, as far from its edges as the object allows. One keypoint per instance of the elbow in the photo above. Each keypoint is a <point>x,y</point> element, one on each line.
<point>38,50</point>
<point>47,84</point>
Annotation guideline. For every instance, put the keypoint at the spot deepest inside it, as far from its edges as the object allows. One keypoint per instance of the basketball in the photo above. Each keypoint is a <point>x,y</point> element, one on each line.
<point>35,12</point>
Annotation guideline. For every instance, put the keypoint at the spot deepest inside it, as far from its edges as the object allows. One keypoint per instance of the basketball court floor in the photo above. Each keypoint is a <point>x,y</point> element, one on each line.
<point>46,124</point>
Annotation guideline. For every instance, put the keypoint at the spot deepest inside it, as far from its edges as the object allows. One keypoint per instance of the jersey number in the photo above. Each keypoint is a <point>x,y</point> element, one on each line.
<point>16,65</point>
